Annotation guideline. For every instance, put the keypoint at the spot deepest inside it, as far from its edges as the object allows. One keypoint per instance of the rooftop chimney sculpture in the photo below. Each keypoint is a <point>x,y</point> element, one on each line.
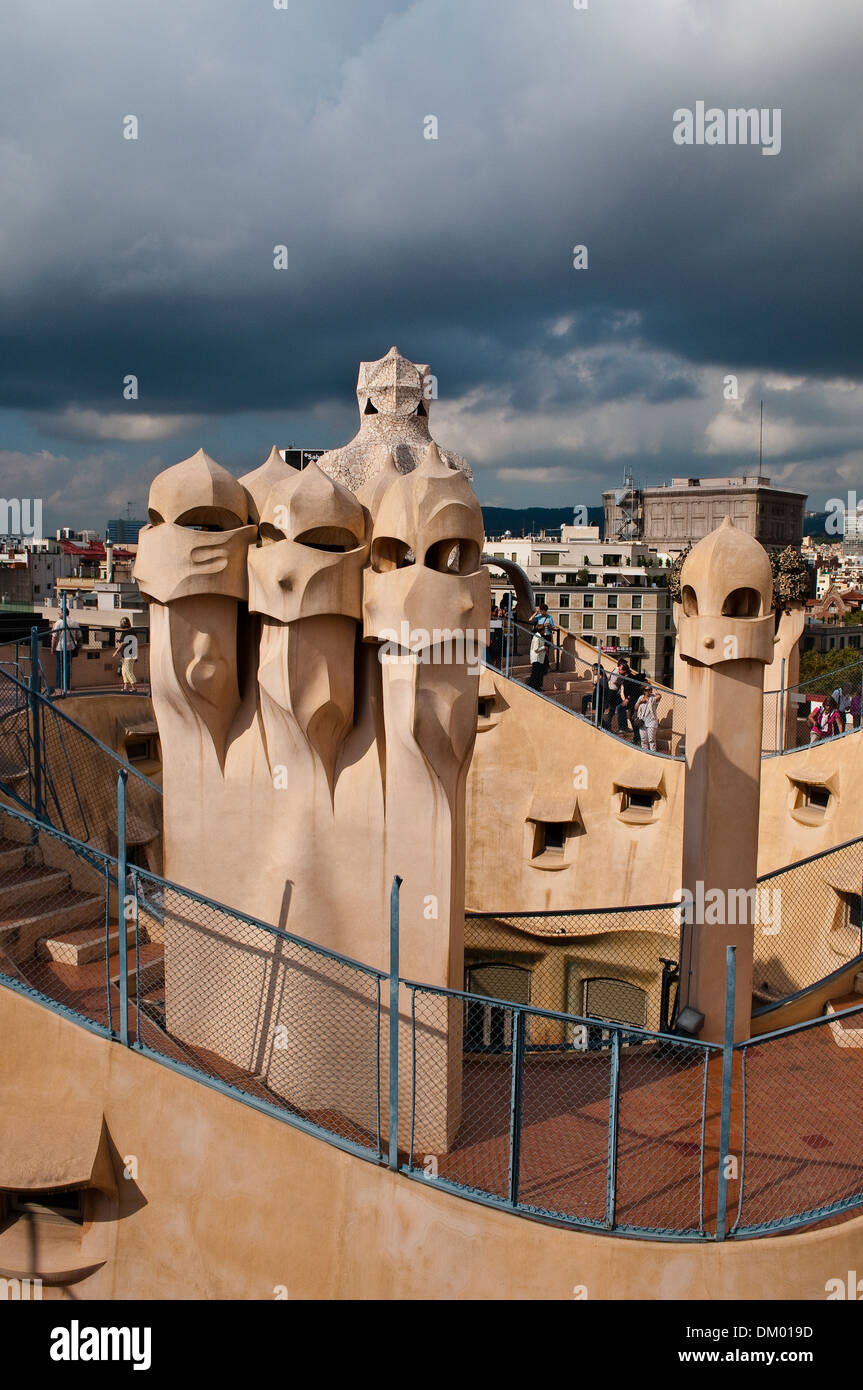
<point>726,638</point>
<point>395,398</point>
<point>316,639</point>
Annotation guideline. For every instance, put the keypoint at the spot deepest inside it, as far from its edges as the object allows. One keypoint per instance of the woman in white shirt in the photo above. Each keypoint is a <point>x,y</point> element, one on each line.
<point>645,711</point>
<point>537,662</point>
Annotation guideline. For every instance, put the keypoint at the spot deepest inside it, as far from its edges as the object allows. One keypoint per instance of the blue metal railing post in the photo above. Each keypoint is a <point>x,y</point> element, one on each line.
<point>515,1104</point>
<point>393,1137</point>
<point>613,1131</point>
<point>121,908</point>
<point>727,1069</point>
<point>35,724</point>
<point>67,660</point>
<point>597,690</point>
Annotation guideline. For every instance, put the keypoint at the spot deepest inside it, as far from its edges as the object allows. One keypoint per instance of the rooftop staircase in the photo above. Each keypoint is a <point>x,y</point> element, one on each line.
<point>54,933</point>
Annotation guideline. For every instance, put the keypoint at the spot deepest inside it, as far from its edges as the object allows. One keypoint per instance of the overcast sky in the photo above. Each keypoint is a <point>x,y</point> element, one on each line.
<point>306,127</point>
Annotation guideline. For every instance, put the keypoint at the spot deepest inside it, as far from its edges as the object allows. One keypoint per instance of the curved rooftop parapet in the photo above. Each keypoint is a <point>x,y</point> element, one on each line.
<point>573,1118</point>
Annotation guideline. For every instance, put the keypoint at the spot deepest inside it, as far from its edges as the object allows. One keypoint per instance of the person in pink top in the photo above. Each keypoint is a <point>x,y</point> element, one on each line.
<point>825,720</point>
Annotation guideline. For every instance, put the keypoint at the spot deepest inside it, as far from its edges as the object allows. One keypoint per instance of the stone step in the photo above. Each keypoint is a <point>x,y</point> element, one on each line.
<point>20,933</point>
<point>847,1032</point>
<point>84,944</point>
<point>13,773</point>
<point>15,855</point>
<point>29,884</point>
<point>151,972</point>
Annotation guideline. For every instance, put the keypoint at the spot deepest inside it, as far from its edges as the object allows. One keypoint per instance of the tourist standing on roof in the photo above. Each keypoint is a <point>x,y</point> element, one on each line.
<point>645,720</point>
<point>631,688</point>
<point>598,693</point>
<point>543,623</point>
<point>825,721</point>
<point>65,642</point>
<point>537,662</point>
<point>127,648</point>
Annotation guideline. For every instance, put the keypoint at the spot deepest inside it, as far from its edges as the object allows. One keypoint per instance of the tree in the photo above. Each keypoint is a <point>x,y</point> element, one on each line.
<point>814,664</point>
<point>582,577</point>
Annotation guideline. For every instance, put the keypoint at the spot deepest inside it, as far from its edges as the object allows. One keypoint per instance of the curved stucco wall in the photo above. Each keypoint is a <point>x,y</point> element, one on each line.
<point>232,1204</point>
<point>530,754</point>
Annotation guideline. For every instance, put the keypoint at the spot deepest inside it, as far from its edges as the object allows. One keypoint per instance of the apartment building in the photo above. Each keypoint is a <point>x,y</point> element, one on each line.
<point>29,569</point>
<point>613,593</point>
<point>672,516</point>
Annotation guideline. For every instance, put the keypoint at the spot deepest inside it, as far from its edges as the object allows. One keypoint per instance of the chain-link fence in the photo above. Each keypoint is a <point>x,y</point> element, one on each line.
<point>93,668</point>
<point>582,1116</point>
<point>807,921</point>
<point>788,722</point>
<point>283,1021</point>
<point>280,1022</point>
<point>617,964</point>
<point>16,655</point>
<point>58,919</point>
<point>568,681</point>
<point>801,1141</point>
<point>63,774</point>
<point>558,1116</point>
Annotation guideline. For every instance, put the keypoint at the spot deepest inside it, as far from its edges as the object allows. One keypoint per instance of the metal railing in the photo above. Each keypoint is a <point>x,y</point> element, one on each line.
<point>18,653</point>
<point>568,682</point>
<point>280,1023</point>
<point>611,1131</point>
<point>591,1122</point>
<point>808,922</point>
<point>566,961</point>
<point>56,769</point>
<point>801,1140</point>
<point>786,711</point>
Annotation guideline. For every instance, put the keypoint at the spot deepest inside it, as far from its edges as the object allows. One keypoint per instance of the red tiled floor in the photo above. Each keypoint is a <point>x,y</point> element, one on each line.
<point>804,1121</point>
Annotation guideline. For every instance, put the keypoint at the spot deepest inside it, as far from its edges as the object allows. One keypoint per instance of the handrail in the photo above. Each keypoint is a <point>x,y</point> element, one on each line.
<point>803,1027</point>
<point>560,650</point>
<point>825,677</point>
<point>584,911</point>
<point>79,728</point>
<point>677,1050</point>
<point>811,858</point>
<point>82,847</point>
<point>575,714</point>
<point>238,915</point>
<point>764,1009</point>
<point>589,1021</point>
<point>666,694</point>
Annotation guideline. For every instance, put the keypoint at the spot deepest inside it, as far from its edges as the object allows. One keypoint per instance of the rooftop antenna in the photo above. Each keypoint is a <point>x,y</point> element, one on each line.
<point>761,440</point>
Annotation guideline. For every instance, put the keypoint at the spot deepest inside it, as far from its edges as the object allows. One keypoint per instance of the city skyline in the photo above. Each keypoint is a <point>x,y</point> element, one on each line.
<point>233,213</point>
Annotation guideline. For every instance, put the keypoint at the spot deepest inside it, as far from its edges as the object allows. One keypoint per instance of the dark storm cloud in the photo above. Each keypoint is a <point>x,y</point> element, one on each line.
<point>305,127</point>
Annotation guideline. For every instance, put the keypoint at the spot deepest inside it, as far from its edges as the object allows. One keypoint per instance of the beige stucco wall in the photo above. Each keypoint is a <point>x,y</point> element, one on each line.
<point>527,757</point>
<point>230,1204</point>
<point>533,758</point>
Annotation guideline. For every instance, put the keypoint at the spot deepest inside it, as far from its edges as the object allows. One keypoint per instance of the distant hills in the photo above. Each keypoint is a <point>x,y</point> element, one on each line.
<point>527,521</point>
<point>815,524</point>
